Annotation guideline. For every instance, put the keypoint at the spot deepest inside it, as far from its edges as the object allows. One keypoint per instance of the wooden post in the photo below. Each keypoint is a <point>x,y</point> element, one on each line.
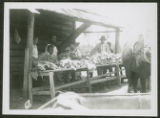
<point>88,82</point>
<point>117,46</point>
<point>25,76</point>
<point>30,88</point>
<point>28,56</point>
<point>118,74</point>
<point>51,81</point>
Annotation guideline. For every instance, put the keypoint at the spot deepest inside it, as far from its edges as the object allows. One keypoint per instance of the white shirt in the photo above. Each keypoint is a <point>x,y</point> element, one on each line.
<point>48,57</point>
<point>35,51</point>
<point>55,51</point>
<point>102,46</point>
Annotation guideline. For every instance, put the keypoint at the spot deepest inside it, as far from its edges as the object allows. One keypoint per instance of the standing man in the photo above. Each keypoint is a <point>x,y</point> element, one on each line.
<point>100,48</point>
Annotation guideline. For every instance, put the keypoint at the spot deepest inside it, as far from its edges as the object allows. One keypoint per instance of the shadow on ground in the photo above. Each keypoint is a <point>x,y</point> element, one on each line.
<point>17,100</point>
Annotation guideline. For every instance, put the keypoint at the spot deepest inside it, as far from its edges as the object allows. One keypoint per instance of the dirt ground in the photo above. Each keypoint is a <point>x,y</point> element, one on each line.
<point>17,100</point>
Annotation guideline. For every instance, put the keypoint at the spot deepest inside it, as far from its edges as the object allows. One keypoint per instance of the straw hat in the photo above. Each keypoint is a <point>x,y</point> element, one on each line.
<point>102,38</point>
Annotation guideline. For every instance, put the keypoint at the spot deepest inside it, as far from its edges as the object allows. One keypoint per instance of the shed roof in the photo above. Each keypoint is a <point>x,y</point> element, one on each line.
<point>83,16</point>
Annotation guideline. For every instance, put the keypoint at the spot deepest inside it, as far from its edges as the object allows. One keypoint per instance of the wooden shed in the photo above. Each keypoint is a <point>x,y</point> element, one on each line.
<point>25,25</point>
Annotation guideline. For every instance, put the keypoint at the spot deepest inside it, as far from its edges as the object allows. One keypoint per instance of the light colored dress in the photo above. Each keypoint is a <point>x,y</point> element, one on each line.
<point>46,56</point>
<point>35,52</point>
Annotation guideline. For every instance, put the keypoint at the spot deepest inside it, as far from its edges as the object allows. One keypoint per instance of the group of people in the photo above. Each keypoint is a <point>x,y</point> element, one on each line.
<point>50,53</point>
<point>71,52</point>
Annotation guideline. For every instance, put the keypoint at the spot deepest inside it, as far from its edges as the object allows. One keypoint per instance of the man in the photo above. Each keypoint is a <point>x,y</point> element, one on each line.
<point>100,48</point>
<point>109,47</point>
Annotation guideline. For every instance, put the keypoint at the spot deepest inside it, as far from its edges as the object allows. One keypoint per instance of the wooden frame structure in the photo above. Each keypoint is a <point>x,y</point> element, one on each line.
<point>30,35</point>
<point>89,81</point>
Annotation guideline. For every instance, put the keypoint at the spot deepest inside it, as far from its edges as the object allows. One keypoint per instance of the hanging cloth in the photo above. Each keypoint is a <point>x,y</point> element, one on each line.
<point>17,37</point>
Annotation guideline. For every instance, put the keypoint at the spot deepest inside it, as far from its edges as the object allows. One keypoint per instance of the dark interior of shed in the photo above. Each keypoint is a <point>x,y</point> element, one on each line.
<point>47,24</point>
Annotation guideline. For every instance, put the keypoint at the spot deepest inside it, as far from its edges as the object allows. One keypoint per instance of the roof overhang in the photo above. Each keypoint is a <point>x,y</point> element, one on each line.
<point>81,16</point>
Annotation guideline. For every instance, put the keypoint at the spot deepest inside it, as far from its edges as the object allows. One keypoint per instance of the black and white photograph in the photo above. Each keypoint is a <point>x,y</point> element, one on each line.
<point>87,59</point>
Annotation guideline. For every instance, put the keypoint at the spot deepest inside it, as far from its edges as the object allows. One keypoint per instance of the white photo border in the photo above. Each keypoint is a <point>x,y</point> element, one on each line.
<point>6,72</point>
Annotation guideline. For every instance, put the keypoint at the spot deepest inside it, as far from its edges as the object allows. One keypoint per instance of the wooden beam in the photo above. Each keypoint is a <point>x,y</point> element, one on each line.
<point>70,84</point>
<point>54,14</point>
<point>96,23</point>
<point>88,82</point>
<point>30,46</point>
<point>74,18</point>
<point>95,81</point>
<point>118,74</point>
<point>28,54</point>
<point>99,32</point>
<point>75,34</point>
<point>117,46</point>
<point>51,82</point>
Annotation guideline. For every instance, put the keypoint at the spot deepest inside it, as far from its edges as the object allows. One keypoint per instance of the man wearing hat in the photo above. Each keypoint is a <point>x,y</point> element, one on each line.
<point>100,48</point>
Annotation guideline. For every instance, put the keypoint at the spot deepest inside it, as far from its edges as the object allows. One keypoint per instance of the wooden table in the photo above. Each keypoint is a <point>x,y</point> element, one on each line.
<point>89,81</point>
<point>40,90</point>
<point>117,72</point>
<point>52,89</point>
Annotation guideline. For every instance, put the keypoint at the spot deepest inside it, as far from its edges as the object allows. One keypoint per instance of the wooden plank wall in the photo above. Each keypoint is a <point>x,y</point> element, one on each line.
<point>18,21</point>
<point>47,24</point>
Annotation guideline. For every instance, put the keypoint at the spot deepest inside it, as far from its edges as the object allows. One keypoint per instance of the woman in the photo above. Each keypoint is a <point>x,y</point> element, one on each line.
<point>35,53</point>
<point>49,54</point>
<point>49,58</point>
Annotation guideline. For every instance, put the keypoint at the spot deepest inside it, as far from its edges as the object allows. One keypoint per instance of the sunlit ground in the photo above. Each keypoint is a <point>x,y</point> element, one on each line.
<point>17,99</point>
